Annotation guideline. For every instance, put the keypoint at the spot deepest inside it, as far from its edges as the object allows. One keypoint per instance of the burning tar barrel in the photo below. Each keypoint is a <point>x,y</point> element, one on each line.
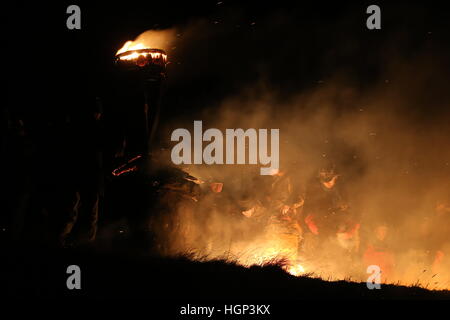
<point>141,75</point>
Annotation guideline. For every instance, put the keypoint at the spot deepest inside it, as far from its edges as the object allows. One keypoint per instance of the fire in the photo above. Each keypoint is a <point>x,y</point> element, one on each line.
<point>134,51</point>
<point>256,233</point>
<point>266,253</point>
<point>296,270</point>
<point>134,55</point>
<point>273,251</point>
<point>130,46</point>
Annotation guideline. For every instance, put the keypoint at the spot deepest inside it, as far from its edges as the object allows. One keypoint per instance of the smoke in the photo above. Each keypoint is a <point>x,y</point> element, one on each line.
<point>159,39</point>
<point>379,117</point>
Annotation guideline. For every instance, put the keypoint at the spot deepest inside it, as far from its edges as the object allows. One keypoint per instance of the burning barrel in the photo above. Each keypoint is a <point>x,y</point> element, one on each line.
<point>139,78</point>
<point>151,63</point>
<point>142,72</point>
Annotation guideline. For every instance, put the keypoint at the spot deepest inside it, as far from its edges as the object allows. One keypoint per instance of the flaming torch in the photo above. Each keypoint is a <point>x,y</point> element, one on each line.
<point>145,69</point>
<point>137,57</point>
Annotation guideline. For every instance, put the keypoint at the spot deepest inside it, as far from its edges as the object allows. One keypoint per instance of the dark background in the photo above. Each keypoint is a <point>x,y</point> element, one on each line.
<point>293,44</point>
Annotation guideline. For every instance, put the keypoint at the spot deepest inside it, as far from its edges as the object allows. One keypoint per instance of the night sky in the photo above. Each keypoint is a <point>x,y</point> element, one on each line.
<point>292,45</point>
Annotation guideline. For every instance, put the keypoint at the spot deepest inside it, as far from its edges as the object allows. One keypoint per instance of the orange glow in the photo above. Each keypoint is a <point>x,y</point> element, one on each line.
<point>129,46</point>
<point>296,270</point>
<point>137,50</point>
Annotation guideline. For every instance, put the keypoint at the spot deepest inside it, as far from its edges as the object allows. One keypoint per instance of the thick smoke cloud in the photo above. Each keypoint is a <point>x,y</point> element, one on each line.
<point>373,106</point>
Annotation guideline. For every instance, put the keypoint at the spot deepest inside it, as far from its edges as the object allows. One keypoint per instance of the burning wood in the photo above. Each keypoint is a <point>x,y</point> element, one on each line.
<point>143,57</point>
<point>140,55</point>
<point>129,166</point>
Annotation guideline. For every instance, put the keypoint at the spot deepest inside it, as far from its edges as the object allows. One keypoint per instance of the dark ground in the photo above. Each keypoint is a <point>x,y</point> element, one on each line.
<point>42,273</point>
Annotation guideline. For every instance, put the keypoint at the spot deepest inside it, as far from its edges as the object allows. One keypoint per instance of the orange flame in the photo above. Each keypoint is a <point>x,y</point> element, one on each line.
<point>131,46</point>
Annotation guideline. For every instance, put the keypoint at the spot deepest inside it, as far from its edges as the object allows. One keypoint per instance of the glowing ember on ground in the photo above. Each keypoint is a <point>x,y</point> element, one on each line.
<point>296,270</point>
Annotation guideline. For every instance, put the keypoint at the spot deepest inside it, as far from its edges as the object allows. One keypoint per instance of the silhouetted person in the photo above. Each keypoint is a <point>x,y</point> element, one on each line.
<point>87,143</point>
